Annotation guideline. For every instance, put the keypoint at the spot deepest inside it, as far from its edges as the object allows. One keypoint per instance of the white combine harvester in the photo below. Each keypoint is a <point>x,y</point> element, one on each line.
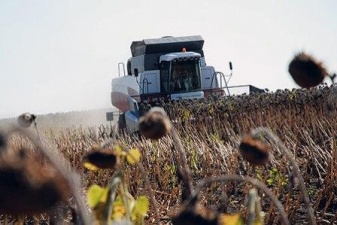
<point>164,69</point>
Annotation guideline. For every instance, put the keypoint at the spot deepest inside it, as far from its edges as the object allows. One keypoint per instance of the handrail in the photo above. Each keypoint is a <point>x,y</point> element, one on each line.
<point>224,78</point>
<point>119,69</point>
<point>145,81</point>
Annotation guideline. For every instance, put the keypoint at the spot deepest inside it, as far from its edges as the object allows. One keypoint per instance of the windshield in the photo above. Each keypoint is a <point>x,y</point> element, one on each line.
<point>185,76</point>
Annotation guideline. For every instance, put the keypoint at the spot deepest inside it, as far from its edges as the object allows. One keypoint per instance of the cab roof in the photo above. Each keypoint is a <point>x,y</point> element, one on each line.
<point>179,56</point>
<point>166,45</point>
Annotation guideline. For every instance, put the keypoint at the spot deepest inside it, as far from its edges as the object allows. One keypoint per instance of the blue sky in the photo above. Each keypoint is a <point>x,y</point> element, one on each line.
<point>60,56</point>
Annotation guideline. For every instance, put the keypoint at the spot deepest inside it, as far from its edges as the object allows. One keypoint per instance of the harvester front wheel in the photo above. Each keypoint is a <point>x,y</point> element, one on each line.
<point>121,122</point>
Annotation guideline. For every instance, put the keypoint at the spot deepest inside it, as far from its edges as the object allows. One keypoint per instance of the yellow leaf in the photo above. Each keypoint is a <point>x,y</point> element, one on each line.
<point>186,114</point>
<point>231,219</point>
<point>118,150</point>
<point>142,206</point>
<point>118,212</point>
<point>96,194</point>
<point>133,156</point>
<point>90,166</point>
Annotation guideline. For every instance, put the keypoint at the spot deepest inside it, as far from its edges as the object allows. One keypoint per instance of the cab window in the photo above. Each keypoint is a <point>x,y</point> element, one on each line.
<point>185,76</point>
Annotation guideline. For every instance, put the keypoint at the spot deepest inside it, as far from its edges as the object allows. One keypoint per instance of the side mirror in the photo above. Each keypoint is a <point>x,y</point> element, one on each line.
<point>135,70</point>
<point>230,66</point>
<point>128,67</point>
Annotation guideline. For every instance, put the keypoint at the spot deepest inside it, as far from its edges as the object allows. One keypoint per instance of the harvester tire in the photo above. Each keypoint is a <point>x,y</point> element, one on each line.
<point>121,122</point>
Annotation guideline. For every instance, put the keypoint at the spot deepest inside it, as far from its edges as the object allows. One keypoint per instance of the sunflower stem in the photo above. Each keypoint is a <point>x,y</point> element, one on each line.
<point>290,157</point>
<point>113,184</point>
<point>252,195</point>
<point>124,192</point>
<point>186,173</point>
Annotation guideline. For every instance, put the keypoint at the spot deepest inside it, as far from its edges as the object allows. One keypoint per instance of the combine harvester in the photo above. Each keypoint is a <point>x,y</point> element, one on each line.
<point>163,70</point>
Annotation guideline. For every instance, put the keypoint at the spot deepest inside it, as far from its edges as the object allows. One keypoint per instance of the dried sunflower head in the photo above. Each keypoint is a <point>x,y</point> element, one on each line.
<point>3,141</point>
<point>254,151</point>
<point>155,124</point>
<point>306,71</point>
<point>28,187</point>
<point>26,119</point>
<point>102,158</point>
<point>195,215</point>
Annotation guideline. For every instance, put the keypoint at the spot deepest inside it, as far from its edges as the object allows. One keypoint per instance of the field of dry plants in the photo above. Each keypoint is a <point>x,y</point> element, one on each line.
<point>304,121</point>
<point>267,158</point>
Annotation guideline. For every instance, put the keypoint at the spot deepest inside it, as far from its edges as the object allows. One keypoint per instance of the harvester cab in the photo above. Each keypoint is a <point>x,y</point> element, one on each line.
<point>180,75</point>
<point>161,70</point>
